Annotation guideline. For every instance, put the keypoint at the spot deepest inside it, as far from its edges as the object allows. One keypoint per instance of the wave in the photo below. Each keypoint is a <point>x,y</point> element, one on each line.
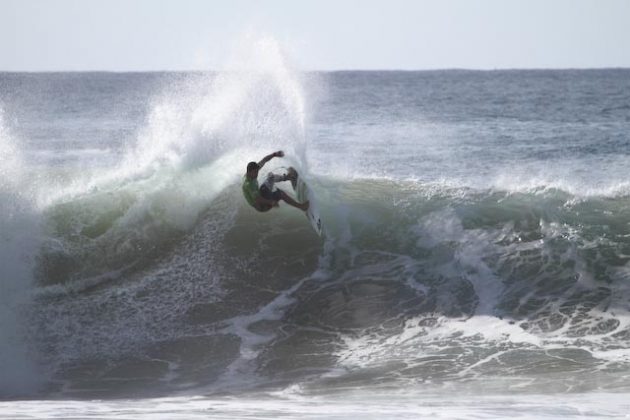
<point>413,283</point>
<point>153,276</point>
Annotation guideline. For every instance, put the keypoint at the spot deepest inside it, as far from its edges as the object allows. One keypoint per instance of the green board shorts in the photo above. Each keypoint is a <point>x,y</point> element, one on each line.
<point>265,192</point>
<point>251,191</point>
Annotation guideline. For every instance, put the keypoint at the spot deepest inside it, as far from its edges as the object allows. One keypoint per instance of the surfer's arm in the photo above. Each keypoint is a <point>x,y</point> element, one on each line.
<point>267,158</point>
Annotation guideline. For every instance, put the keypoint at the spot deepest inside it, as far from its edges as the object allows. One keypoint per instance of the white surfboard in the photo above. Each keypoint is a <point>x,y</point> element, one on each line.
<point>303,193</point>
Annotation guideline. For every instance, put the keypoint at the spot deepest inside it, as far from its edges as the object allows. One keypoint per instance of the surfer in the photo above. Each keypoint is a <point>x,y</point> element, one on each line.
<point>264,198</point>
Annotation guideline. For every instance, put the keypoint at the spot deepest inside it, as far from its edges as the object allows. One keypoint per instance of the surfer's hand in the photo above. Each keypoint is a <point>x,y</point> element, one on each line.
<point>279,153</point>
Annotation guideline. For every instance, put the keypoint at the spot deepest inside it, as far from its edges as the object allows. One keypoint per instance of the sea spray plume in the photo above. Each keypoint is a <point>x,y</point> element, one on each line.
<point>200,132</point>
<point>279,95</point>
<point>18,242</point>
<point>204,121</point>
<point>257,104</point>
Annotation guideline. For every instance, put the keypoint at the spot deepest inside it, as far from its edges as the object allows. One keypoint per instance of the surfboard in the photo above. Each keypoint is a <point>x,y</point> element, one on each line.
<point>303,193</point>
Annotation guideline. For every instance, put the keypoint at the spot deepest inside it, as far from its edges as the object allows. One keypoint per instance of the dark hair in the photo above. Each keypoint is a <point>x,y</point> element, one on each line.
<point>251,166</point>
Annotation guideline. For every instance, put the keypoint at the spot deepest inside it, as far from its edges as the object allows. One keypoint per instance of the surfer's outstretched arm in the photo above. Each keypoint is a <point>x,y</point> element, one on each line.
<point>267,158</point>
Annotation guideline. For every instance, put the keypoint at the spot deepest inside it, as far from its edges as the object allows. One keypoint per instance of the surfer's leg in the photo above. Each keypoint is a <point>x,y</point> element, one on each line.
<point>290,201</point>
<point>272,179</point>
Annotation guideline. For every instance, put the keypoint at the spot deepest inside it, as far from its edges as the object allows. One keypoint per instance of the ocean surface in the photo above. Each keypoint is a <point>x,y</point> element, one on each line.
<point>475,263</point>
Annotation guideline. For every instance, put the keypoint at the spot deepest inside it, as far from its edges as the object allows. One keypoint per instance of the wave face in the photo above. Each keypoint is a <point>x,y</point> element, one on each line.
<point>412,286</point>
<point>477,229</point>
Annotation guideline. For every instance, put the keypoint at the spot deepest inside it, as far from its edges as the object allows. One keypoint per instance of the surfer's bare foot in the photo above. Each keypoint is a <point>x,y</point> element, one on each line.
<point>304,205</point>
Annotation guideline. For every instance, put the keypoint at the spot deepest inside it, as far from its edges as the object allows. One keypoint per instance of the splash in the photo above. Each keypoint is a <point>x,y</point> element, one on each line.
<point>200,132</point>
<point>255,106</point>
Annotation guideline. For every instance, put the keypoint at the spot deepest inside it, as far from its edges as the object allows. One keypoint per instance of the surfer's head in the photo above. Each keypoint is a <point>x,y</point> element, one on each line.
<point>252,169</point>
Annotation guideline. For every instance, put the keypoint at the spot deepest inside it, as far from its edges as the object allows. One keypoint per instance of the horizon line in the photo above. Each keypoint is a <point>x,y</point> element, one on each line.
<point>471,69</point>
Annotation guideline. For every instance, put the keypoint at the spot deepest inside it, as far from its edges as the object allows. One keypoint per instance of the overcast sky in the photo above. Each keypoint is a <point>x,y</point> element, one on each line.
<point>138,35</point>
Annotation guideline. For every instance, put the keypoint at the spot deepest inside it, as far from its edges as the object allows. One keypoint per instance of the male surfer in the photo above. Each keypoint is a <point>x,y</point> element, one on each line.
<point>264,198</point>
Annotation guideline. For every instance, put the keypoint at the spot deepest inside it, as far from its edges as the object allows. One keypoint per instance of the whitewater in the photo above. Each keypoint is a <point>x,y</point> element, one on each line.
<point>476,261</point>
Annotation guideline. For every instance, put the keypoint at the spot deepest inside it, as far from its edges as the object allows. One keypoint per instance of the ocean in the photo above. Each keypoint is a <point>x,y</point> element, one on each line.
<point>475,261</point>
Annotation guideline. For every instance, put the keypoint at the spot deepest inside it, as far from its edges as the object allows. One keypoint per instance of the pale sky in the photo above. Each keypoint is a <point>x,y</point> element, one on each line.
<point>139,35</point>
